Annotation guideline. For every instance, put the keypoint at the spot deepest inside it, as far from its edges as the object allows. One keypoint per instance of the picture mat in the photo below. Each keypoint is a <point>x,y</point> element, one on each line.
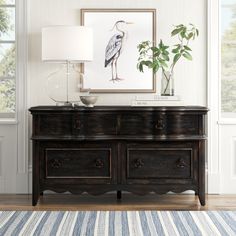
<point>97,76</point>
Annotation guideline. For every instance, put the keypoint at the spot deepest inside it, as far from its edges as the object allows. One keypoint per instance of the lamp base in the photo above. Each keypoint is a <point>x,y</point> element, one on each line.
<point>63,87</point>
<point>69,104</point>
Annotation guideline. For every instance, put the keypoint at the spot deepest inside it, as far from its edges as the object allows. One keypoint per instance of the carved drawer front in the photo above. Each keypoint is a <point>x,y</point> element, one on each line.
<point>159,163</point>
<point>78,163</point>
<point>181,124</point>
<point>137,123</point>
<point>104,123</point>
<point>149,123</point>
<point>53,124</point>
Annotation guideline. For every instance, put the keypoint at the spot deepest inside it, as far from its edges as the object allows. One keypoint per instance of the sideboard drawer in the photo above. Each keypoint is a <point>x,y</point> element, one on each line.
<point>176,124</point>
<point>158,124</point>
<point>78,163</point>
<point>53,125</point>
<point>164,161</point>
<point>137,123</point>
<point>93,124</point>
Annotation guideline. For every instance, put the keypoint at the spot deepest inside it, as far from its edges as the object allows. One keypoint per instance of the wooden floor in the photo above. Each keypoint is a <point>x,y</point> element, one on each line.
<point>109,202</point>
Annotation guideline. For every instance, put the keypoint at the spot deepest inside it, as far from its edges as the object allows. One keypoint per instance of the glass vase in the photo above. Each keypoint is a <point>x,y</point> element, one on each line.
<point>167,84</point>
<point>63,90</point>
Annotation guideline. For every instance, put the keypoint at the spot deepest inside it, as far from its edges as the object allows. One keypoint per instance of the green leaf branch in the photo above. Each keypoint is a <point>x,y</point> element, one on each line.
<point>158,57</point>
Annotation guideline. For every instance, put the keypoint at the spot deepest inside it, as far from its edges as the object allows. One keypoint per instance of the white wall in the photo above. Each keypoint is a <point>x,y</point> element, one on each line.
<point>190,77</point>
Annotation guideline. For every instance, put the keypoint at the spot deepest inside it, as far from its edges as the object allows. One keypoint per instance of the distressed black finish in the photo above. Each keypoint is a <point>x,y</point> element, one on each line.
<point>135,149</point>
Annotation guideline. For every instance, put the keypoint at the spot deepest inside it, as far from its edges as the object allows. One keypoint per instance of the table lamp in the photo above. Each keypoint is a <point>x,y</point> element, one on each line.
<point>68,45</point>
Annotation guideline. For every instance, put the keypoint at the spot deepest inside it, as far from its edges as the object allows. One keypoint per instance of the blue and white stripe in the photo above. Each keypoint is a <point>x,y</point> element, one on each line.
<point>118,223</point>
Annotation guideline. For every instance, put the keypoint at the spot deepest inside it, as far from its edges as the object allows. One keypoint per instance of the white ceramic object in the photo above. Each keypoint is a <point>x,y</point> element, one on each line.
<point>89,101</point>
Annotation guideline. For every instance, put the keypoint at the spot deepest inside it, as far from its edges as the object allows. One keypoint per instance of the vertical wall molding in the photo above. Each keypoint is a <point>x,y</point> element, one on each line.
<point>21,96</point>
<point>2,182</point>
<point>1,155</point>
<point>213,89</point>
<point>232,160</point>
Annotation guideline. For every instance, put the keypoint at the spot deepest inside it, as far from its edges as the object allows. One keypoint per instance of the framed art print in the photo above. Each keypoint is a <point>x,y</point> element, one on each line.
<point>117,33</point>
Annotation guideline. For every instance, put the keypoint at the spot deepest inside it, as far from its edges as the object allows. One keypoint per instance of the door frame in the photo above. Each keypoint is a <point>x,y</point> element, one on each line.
<point>14,131</point>
<point>22,178</point>
<point>213,94</point>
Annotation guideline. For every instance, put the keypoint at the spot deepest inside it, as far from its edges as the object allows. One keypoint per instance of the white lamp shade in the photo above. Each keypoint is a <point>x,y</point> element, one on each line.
<point>67,43</point>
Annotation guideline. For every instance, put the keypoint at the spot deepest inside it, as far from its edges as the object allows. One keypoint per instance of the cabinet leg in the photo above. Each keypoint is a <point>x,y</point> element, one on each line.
<point>196,193</point>
<point>202,199</point>
<point>41,194</point>
<point>36,173</point>
<point>201,173</point>
<point>119,194</point>
<point>35,198</point>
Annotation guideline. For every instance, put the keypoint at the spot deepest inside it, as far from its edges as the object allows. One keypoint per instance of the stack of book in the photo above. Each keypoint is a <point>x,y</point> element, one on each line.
<point>157,100</point>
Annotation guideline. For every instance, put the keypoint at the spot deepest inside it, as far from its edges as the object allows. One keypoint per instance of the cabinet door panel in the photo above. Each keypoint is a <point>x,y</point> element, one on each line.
<point>78,162</point>
<point>162,162</point>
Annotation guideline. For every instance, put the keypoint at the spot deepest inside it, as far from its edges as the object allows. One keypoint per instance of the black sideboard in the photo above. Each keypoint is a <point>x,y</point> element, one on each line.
<point>134,149</point>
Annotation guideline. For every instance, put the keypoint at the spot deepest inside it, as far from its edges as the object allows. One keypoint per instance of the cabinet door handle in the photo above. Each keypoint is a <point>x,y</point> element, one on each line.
<point>181,163</point>
<point>138,163</point>
<point>160,124</point>
<point>78,125</point>
<point>118,125</point>
<point>99,163</point>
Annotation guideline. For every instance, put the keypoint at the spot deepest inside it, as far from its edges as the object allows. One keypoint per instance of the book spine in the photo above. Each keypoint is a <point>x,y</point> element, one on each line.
<point>157,98</point>
<point>156,103</point>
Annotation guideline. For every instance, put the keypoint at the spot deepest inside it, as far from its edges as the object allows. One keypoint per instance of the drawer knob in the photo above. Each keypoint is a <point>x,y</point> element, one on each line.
<point>77,125</point>
<point>181,163</point>
<point>99,163</point>
<point>55,163</point>
<point>138,163</point>
<point>160,124</point>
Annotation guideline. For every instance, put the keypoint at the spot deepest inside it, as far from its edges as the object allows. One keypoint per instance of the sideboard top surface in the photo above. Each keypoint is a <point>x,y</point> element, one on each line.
<point>118,108</point>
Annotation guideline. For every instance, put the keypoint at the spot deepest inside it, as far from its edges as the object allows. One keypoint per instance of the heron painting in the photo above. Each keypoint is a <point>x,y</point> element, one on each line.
<point>117,32</point>
<point>114,49</point>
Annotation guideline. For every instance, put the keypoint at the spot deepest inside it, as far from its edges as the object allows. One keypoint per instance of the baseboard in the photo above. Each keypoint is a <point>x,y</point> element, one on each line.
<point>213,183</point>
<point>2,185</point>
<point>22,183</point>
<point>30,180</point>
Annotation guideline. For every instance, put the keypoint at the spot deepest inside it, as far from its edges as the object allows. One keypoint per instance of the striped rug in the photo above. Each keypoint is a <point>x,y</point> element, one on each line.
<point>118,223</point>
